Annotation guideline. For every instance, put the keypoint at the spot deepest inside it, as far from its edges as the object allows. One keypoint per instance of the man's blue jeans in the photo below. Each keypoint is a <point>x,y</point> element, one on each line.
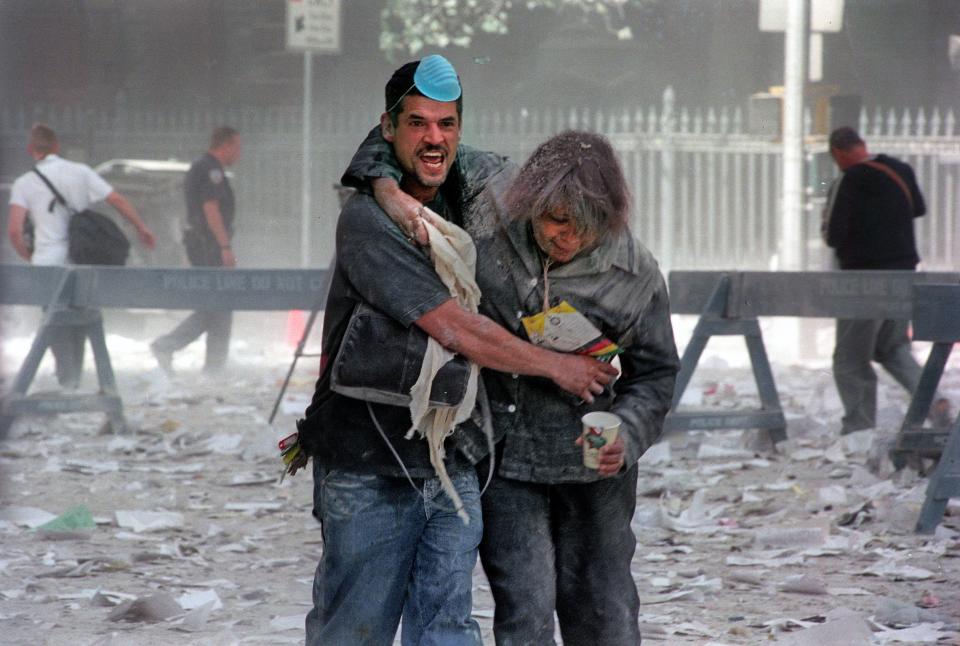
<point>388,551</point>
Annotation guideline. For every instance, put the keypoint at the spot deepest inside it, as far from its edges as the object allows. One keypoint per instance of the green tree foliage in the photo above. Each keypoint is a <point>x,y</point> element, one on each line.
<point>408,26</point>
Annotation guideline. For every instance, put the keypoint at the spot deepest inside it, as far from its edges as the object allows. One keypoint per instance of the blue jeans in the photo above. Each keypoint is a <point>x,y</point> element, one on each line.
<point>388,552</point>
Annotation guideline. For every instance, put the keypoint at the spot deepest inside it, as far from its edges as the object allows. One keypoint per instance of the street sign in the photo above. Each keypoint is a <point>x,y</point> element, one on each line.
<point>313,25</point>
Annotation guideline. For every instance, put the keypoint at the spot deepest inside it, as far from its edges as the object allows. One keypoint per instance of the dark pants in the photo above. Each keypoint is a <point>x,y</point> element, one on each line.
<point>202,251</point>
<point>859,342</point>
<point>563,547</point>
<point>67,344</point>
<point>217,326</point>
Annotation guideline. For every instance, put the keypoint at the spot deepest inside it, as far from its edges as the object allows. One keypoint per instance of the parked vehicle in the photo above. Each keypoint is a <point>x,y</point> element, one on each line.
<point>156,188</point>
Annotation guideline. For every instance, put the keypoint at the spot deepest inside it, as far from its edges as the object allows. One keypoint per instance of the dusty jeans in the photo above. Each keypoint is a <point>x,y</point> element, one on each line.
<point>387,551</point>
<point>563,547</point>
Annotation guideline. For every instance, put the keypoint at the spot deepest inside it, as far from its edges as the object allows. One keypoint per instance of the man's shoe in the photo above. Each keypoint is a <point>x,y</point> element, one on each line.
<point>164,358</point>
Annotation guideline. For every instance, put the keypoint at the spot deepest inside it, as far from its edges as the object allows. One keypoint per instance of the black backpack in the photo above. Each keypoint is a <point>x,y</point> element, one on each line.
<point>94,239</point>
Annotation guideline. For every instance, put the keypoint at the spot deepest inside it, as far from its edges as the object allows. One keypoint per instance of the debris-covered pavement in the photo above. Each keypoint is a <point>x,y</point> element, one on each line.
<point>181,533</point>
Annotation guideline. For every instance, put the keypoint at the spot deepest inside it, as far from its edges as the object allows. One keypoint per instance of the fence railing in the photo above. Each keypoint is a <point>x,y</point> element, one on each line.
<point>706,192</point>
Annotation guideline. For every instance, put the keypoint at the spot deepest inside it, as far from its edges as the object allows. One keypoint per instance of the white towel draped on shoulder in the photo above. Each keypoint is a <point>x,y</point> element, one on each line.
<point>455,259</point>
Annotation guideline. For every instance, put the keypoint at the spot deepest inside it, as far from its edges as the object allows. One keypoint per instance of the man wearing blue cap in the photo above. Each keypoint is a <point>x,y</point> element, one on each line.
<point>550,237</point>
<point>391,549</point>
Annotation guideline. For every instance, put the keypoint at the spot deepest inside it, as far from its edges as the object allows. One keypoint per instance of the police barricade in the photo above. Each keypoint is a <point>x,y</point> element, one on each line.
<point>729,303</point>
<point>936,318</point>
<point>73,296</point>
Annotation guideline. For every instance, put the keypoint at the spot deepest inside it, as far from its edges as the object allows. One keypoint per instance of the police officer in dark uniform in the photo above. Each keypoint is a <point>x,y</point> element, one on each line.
<point>210,210</point>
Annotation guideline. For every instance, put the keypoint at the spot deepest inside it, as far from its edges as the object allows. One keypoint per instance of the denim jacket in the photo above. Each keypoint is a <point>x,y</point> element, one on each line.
<point>617,285</point>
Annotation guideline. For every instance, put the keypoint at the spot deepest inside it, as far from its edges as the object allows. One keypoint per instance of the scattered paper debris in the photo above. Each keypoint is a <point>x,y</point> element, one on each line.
<point>791,536</point>
<point>295,622</point>
<point>156,607</point>
<point>31,517</point>
<point>76,521</point>
<point>842,632</point>
<point>897,571</point>
<point>656,455</point>
<point>738,541</point>
<point>148,521</point>
<point>922,634</point>
<point>804,584</point>
<point>253,507</point>
<point>192,600</point>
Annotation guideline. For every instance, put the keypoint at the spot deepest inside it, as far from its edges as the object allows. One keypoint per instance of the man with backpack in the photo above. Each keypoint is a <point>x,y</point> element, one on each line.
<point>36,193</point>
<point>392,549</point>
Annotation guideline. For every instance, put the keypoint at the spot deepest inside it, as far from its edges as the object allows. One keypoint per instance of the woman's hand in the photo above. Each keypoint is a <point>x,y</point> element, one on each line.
<point>610,457</point>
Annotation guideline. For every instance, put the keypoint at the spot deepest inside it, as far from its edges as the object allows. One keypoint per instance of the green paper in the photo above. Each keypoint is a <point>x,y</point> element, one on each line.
<point>75,518</point>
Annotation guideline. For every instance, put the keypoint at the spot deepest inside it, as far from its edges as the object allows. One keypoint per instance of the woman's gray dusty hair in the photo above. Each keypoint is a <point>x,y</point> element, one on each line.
<point>576,173</point>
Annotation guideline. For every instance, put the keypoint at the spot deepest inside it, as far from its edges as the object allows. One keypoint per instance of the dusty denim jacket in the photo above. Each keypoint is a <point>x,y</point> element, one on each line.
<point>618,286</point>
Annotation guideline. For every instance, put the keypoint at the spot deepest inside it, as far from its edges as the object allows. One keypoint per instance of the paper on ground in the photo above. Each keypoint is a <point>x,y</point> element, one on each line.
<point>852,631</point>
<point>289,622</point>
<point>149,521</point>
<point>25,516</point>
<point>197,598</point>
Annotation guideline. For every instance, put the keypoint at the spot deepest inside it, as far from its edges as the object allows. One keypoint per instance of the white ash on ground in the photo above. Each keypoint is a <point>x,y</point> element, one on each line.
<point>180,533</point>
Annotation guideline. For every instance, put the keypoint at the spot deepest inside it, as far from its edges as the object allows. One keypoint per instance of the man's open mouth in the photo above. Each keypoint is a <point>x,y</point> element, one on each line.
<point>433,159</point>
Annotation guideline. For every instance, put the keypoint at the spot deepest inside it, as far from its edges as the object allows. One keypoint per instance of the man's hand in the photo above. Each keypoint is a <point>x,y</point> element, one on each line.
<point>610,457</point>
<point>227,258</point>
<point>129,213</point>
<point>147,239</point>
<point>402,208</point>
<point>581,375</point>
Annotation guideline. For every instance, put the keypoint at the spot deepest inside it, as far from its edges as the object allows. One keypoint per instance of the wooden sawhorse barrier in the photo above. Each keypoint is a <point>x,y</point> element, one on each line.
<point>716,320</point>
<point>59,314</point>
<point>73,297</point>
<point>936,318</point>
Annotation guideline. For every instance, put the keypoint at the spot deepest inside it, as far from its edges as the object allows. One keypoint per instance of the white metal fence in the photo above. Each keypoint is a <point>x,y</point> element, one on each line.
<point>706,192</point>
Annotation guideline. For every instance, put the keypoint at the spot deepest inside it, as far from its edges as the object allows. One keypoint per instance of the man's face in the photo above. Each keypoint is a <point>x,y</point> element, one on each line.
<point>837,155</point>
<point>847,158</point>
<point>424,140</point>
<point>231,151</point>
<point>557,236</point>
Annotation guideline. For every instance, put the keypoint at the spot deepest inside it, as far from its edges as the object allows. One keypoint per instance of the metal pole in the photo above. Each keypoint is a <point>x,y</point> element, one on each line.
<point>791,240</point>
<point>667,178</point>
<point>305,178</point>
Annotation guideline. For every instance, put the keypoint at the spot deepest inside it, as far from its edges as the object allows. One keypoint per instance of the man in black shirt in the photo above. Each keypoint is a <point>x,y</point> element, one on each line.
<point>869,222</point>
<point>210,210</point>
<point>390,549</point>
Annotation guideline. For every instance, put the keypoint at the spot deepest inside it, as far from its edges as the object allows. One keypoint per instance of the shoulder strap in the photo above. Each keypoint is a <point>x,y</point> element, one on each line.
<point>56,193</point>
<point>892,174</point>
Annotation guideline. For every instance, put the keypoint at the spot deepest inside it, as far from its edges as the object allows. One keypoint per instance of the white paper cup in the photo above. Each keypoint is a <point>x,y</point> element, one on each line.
<point>599,429</point>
